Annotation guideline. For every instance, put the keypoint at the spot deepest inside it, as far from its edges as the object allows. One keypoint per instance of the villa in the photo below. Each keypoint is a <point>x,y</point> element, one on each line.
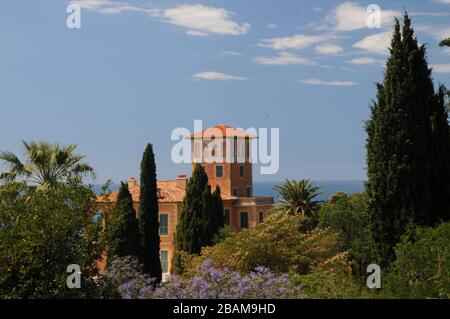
<point>241,209</point>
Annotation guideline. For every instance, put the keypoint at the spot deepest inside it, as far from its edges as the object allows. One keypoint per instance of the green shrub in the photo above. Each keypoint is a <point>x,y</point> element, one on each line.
<point>422,265</point>
<point>333,279</point>
<point>276,244</point>
<point>43,232</point>
<point>348,216</point>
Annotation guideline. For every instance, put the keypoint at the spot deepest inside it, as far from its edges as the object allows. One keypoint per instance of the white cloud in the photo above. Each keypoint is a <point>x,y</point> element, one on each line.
<point>216,76</point>
<point>196,33</point>
<point>206,20</point>
<point>230,53</point>
<point>377,43</point>
<point>283,58</point>
<point>350,16</point>
<point>441,68</point>
<point>299,41</point>
<point>199,20</point>
<point>328,83</point>
<point>272,26</point>
<point>317,9</point>
<point>362,61</point>
<point>443,1</point>
<point>327,49</point>
<point>112,7</point>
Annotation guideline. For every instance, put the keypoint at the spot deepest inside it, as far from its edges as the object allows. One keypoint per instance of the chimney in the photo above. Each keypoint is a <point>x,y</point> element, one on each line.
<point>132,183</point>
<point>182,181</point>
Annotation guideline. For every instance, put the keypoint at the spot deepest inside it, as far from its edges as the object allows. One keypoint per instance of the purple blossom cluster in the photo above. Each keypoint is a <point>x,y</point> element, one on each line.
<point>212,283</point>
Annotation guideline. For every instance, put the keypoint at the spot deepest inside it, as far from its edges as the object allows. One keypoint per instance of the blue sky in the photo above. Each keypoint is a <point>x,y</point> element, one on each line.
<point>136,70</point>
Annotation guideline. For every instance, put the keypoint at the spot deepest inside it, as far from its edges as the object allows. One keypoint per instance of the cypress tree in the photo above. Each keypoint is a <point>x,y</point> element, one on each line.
<point>207,219</point>
<point>407,147</point>
<point>149,218</point>
<point>200,219</point>
<point>124,235</point>
<point>217,217</point>
<point>191,225</point>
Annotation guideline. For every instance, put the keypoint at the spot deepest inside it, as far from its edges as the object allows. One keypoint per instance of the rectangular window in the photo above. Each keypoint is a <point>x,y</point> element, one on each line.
<point>165,261</point>
<point>261,217</point>
<point>163,224</point>
<point>241,170</point>
<point>249,191</point>
<point>227,217</point>
<point>247,149</point>
<point>235,191</point>
<point>244,220</point>
<point>219,171</point>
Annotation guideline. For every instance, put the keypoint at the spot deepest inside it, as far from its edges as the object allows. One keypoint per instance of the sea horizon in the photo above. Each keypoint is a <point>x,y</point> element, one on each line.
<point>266,188</point>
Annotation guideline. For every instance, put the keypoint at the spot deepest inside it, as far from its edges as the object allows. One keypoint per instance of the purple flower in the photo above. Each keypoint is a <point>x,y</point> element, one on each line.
<point>212,283</point>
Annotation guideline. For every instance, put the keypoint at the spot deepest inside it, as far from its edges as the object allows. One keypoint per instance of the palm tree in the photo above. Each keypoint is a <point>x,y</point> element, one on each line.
<point>297,198</point>
<point>45,165</point>
<point>445,42</point>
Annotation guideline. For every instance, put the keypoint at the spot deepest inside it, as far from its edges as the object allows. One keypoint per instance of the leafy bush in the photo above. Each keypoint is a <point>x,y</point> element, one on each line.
<point>422,265</point>
<point>212,283</point>
<point>333,279</point>
<point>277,244</point>
<point>348,216</point>
<point>43,232</point>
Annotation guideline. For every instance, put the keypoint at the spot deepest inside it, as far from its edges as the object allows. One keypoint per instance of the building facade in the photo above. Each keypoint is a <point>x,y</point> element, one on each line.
<point>225,154</point>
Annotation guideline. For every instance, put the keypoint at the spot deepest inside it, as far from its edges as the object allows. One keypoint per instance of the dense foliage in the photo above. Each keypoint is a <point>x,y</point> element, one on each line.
<point>276,244</point>
<point>149,216</point>
<point>408,147</point>
<point>201,217</point>
<point>123,227</point>
<point>422,266</point>
<point>41,234</point>
<point>348,216</point>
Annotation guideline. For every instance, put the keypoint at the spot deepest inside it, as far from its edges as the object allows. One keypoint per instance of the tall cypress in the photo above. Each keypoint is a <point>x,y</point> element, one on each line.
<point>149,218</point>
<point>124,237</point>
<point>208,211</point>
<point>217,217</point>
<point>407,147</point>
<point>200,219</point>
<point>191,225</point>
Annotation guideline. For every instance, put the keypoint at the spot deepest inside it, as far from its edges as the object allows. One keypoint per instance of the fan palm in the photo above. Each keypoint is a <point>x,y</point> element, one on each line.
<point>45,165</point>
<point>297,198</point>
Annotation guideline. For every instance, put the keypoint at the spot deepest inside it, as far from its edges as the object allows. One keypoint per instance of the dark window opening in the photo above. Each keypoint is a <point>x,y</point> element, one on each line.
<point>219,171</point>
<point>163,224</point>
<point>241,170</point>
<point>244,220</point>
<point>261,217</point>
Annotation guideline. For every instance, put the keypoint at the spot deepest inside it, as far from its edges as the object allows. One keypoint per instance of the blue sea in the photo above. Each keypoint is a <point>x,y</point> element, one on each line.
<point>328,188</point>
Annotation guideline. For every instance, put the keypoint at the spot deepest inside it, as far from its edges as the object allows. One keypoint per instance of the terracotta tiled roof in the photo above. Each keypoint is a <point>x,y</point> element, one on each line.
<point>221,130</point>
<point>169,192</point>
